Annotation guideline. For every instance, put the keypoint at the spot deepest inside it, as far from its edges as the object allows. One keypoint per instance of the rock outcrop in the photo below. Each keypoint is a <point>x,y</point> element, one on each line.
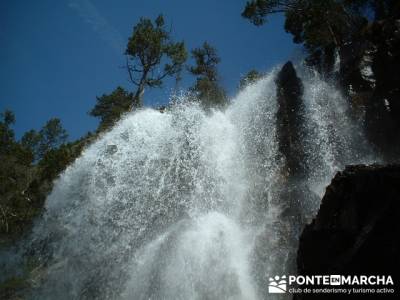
<point>366,68</point>
<point>357,229</point>
<point>289,118</point>
<point>369,73</point>
<point>291,134</point>
<point>291,188</point>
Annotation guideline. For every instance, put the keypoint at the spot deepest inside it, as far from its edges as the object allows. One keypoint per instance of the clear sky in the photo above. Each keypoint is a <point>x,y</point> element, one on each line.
<point>57,55</point>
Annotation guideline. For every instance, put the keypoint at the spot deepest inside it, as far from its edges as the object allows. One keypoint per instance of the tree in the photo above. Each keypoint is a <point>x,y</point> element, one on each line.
<point>52,135</point>
<point>15,173</point>
<point>152,56</point>
<point>10,149</point>
<point>6,133</point>
<point>109,108</point>
<point>56,160</point>
<point>317,24</point>
<point>206,59</point>
<point>251,77</point>
<point>258,10</point>
<point>28,168</point>
<point>206,87</point>
<point>31,141</point>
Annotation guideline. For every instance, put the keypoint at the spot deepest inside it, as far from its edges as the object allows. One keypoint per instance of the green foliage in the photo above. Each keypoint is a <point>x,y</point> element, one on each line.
<point>206,88</point>
<point>51,136</point>
<point>209,93</point>
<point>326,27</point>
<point>55,160</point>
<point>258,10</point>
<point>28,169</point>
<point>152,56</point>
<point>251,77</point>
<point>9,148</point>
<point>31,141</point>
<point>317,24</point>
<point>6,133</point>
<point>8,117</point>
<point>109,108</point>
<point>206,59</point>
<point>15,174</point>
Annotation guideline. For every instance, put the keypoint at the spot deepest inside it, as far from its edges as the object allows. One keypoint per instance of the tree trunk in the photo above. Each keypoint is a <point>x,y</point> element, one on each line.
<point>137,99</point>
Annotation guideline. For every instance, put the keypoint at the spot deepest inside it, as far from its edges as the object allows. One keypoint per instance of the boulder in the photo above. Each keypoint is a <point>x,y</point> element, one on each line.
<point>357,229</point>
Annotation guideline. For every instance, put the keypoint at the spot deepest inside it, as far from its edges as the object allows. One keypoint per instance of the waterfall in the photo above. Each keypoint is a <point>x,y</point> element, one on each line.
<point>186,204</point>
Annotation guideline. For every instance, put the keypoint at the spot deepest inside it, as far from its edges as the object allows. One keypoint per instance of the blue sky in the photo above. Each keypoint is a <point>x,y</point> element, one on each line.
<point>57,56</point>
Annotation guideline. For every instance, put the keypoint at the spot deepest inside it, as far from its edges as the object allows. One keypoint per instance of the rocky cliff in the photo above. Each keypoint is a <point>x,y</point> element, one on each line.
<point>369,74</point>
<point>289,119</point>
<point>357,229</point>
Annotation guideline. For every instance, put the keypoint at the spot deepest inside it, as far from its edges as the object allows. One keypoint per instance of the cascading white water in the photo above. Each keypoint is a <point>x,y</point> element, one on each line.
<point>183,204</point>
<point>333,134</point>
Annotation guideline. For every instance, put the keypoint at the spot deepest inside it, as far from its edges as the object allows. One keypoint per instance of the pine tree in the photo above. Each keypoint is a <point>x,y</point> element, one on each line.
<point>207,88</point>
<point>152,56</point>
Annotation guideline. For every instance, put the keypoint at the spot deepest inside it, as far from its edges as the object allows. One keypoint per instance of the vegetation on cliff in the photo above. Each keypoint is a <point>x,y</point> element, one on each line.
<point>27,170</point>
<point>361,37</point>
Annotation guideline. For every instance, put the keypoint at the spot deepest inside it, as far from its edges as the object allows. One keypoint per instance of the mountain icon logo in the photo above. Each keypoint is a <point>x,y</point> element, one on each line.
<point>277,285</point>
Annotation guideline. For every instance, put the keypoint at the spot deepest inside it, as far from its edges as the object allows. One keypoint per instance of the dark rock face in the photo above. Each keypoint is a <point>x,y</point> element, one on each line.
<point>290,134</point>
<point>289,118</point>
<point>369,72</point>
<point>357,229</point>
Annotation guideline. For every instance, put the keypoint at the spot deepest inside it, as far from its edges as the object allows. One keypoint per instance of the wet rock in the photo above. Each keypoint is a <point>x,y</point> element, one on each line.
<point>292,189</point>
<point>357,229</point>
<point>289,118</point>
